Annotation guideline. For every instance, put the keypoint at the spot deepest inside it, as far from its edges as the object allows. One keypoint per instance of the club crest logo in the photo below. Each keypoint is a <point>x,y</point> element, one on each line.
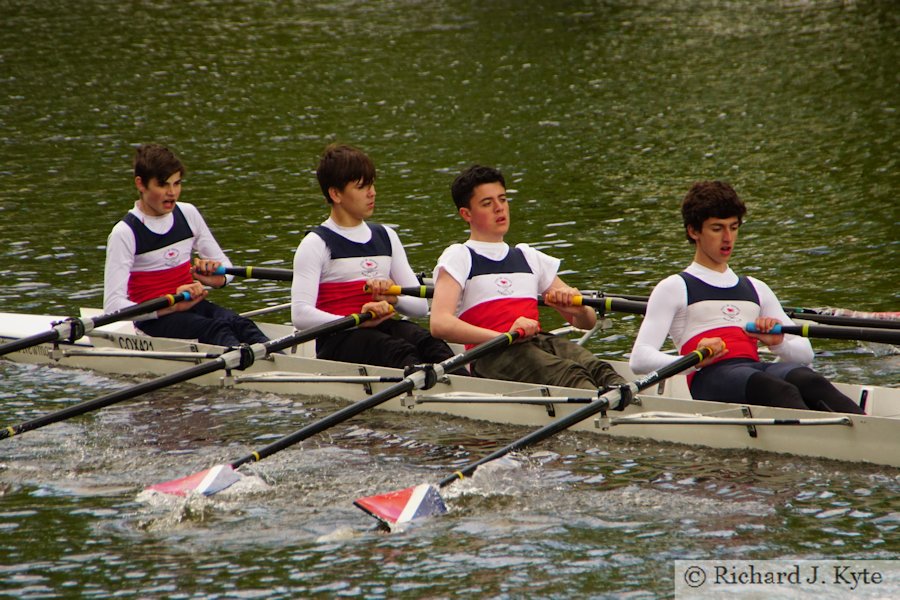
<point>731,312</point>
<point>170,257</point>
<point>504,286</point>
<point>369,267</point>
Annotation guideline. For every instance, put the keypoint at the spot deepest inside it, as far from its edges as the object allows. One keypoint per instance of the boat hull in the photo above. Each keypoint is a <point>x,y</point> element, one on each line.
<point>873,438</point>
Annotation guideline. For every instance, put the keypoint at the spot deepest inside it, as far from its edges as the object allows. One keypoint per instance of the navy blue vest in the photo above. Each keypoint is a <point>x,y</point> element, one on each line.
<point>341,247</point>
<point>698,290</point>
<point>148,241</point>
<point>513,262</point>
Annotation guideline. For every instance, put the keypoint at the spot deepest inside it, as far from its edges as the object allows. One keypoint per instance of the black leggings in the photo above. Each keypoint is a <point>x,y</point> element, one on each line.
<point>801,388</point>
<point>206,322</point>
<point>393,343</point>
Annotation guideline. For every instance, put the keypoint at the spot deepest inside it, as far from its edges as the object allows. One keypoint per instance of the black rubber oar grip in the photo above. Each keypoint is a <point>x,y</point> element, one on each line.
<point>613,304</point>
<point>257,273</point>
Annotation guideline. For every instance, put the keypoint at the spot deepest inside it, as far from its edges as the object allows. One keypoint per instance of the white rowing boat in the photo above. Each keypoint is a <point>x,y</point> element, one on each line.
<point>664,412</point>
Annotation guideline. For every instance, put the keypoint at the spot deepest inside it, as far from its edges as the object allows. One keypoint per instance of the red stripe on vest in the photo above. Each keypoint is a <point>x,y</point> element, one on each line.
<point>343,298</point>
<point>146,285</point>
<point>738,343</point>
<point>499,315</point>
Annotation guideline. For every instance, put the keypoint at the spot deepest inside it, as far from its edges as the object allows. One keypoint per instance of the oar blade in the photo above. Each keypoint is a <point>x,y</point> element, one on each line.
<point>403,506</point>
<point>207,482</point>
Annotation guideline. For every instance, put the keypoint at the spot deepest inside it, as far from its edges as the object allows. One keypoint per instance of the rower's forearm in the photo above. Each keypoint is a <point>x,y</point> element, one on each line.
<point>585,318</point>
<point>456,331</point>
<point>794,349</point>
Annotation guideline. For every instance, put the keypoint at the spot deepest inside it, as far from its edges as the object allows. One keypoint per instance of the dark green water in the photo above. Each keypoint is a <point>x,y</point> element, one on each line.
<point>600,113</point>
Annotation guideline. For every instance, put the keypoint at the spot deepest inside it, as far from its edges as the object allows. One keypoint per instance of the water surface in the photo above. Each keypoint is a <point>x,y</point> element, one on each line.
<point>601,114</point>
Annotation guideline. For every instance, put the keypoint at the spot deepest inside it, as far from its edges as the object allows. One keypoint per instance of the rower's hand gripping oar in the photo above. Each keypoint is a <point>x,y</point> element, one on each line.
<point>219,477</point>
<point>239,358</point>
<point>835,332</point>
<point>75,328</point>
<point>257,273</point>
<point>424,500</point>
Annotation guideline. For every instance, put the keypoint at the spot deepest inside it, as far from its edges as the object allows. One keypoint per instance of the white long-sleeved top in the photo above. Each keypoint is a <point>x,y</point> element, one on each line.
<point>667,315</point>
<point>120,250</point>
<point>312,258</point>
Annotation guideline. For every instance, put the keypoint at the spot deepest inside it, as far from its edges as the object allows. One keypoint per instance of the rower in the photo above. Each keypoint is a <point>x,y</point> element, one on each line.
<point>337,260</point>
<point>708,305</point>
<point>483,287</point>
<point>148,254</point>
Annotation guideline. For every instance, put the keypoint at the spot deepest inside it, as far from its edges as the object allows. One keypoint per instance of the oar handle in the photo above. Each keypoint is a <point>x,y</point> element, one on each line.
<point>257,273</point>
<point>74,328</point>
<point>603,402</point>
<point>417,291</point>
<point>612,304</point>
<point>413,381</point>
<point>834,332</point>
<point>140,309</point>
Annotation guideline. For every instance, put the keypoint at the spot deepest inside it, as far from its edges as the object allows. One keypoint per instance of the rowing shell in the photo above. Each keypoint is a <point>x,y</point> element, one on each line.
<point>664,413</point>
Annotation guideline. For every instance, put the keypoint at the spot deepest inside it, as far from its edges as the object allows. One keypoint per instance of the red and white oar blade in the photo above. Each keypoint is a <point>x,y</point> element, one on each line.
<point>402,506</point>
<point>206,482</point>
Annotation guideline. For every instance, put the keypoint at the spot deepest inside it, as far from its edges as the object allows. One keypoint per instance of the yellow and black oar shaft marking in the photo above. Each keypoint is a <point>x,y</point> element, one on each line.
<point>417,291</point>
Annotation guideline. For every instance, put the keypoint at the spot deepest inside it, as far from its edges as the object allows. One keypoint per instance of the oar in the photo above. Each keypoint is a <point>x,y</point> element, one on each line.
<point>74,328</point>
<point>617,304</point>
<point>417,291</point>
<point>834,332</point>
<point>257,273</point>
<point>239,358</point>
<point>637,305</point>
<point>617,295</point>
<point>423,500</point>
<point>612,304</point>
<point>607,303</point>
<point>810,315</point>
<point>219,477</point>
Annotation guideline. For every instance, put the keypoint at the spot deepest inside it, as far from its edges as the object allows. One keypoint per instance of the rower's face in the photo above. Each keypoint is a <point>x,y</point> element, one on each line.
<point>356,199</point>
<point>159,198</point>
<point>488,212</point>
<point>715,241</point>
